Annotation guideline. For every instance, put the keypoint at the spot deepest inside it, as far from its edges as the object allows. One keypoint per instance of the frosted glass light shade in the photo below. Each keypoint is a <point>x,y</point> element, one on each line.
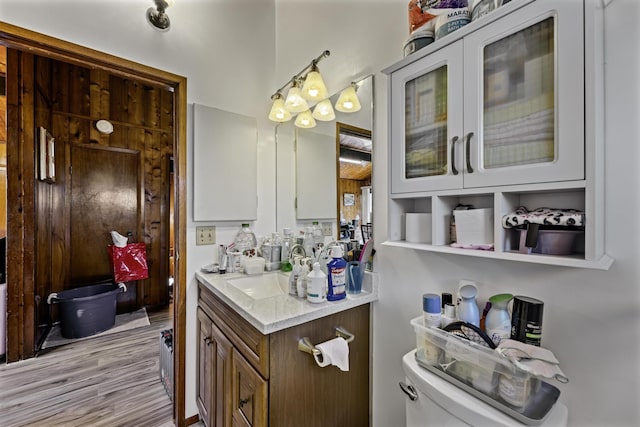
<point>295,103</point>
<point>324,111</point>
<point>348,101</point>
<point>305,120</point>
<point>314,88</point>
<point>278,113</point>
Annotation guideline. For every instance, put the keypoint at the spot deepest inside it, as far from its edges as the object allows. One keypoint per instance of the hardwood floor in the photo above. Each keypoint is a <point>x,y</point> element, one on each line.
<point>111,380</point>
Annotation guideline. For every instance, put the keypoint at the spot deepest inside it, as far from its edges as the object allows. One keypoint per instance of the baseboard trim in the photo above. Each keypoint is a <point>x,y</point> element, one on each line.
<point>192,420</point>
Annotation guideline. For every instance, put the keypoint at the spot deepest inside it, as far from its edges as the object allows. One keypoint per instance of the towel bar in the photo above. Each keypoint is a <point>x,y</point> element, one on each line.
<point>304,344</point>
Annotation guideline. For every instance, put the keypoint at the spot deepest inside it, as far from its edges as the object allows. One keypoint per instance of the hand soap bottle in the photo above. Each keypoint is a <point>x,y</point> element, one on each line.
<point>337,275</point>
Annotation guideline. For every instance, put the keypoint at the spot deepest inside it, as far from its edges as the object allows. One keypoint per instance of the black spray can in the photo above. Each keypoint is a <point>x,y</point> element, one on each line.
<point>526,320</point>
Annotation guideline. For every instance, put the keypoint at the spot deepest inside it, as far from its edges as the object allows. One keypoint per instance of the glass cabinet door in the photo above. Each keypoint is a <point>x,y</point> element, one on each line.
<point>528,77</point>
<point>424,148</point>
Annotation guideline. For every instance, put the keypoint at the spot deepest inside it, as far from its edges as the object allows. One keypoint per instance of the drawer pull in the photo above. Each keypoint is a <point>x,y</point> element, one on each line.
<point>469,168</point>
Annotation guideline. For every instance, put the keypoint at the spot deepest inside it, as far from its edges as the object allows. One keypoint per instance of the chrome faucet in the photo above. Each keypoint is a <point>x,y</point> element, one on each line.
<point>299,249</point>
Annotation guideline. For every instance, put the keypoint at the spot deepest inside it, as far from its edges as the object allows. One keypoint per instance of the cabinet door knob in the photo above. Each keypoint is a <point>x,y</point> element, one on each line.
<point>468,154</point>
<point>453,155</point>
<point>243,402</point>
<point>207,340</point>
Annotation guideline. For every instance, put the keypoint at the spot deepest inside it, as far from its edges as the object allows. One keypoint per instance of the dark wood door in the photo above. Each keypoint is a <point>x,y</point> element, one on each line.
<point>204,378</point>
<point>105,196</point>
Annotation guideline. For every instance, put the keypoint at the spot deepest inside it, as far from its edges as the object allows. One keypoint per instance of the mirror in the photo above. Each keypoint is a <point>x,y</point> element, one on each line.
<point>308,167</point>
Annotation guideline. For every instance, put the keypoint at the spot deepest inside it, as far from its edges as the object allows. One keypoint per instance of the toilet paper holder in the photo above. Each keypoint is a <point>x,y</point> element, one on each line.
<point>304,343</point>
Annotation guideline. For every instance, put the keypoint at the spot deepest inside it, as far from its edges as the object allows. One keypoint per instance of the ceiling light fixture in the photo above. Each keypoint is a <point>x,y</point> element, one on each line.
<point>157,16</point>
<point>354,161</point>
<point>348,101</point>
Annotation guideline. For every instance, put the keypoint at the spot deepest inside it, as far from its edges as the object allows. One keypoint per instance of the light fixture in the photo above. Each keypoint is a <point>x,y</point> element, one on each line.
<point>305,120</point>
<point>278,113</point>
<point>314,88</point>
<point>157,16</point>
<point>323,111</point>
<point>354,161</point>
<point>348,101</point>
<point>295,103</point>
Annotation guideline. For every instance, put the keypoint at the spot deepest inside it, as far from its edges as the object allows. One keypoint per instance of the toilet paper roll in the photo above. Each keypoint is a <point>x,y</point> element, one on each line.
<point>333,352</point>
<point>418,227</point>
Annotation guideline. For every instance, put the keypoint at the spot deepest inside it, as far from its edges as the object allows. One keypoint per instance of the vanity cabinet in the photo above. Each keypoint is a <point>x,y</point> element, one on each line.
<point>246,378</point>
<point>502,113</point>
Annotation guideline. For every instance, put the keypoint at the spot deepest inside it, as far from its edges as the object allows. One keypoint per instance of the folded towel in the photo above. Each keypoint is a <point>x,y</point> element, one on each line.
<point>536,360</point>
<point>544,216</point>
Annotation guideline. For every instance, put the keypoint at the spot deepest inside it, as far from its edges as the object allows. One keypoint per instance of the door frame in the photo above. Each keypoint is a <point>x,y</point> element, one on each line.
<point>38,44</point>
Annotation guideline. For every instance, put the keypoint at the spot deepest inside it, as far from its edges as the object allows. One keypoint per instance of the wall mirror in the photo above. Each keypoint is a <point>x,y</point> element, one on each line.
<point>309,186</point>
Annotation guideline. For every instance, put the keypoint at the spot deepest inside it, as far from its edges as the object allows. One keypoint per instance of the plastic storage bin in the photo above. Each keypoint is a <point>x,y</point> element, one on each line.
<point>484,373</point>
<point>551,242</point>
<point>474,226</point>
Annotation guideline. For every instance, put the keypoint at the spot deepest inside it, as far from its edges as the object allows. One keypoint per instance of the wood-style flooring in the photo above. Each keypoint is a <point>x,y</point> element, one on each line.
<point>111,380</point>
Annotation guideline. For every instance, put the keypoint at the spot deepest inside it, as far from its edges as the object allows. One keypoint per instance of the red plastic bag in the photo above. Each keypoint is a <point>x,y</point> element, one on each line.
<point>129,263</point>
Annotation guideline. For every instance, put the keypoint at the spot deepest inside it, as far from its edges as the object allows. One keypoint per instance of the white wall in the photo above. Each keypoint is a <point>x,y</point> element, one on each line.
<point>592,319</point>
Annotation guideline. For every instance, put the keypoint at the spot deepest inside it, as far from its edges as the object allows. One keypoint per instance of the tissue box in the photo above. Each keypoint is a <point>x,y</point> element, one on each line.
<point>474,226</point>
<point>254,265</point>
<point>459,360</point>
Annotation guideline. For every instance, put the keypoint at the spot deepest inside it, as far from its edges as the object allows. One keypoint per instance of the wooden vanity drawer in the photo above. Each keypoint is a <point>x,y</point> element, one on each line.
<point>251,343</point>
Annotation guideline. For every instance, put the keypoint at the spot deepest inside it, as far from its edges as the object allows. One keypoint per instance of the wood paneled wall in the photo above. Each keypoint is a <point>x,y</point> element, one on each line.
<point>68,101</point>
<point>351,186</point>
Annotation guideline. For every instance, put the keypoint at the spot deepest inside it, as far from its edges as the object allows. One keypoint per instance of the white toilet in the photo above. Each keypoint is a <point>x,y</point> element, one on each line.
<point>440,403</point>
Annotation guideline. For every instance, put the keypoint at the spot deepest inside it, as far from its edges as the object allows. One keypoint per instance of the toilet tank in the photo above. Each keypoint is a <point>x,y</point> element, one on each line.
<point>440,403</point>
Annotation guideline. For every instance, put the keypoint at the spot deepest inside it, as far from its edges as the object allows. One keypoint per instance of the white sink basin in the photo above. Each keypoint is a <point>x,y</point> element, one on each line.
<point>266,285</point>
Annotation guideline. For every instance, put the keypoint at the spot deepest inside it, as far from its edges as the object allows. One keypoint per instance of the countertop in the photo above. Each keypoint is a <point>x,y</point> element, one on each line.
<point>280,312</point>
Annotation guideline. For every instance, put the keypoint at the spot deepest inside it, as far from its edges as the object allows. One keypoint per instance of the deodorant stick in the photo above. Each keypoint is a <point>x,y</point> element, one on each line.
<point>432,311</point>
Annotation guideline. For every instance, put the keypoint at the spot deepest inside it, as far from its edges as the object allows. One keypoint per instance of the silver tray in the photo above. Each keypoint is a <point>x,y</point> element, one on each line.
<point>533,413</point>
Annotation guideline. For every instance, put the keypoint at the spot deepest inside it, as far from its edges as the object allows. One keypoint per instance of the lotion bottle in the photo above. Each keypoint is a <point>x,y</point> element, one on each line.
<point>301,285</point>
<point>293,278</point>
<point>316,285</point>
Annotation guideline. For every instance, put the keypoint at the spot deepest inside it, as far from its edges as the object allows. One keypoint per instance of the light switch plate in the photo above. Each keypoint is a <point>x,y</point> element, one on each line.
<point>327,228</point>
<point>206,235</point>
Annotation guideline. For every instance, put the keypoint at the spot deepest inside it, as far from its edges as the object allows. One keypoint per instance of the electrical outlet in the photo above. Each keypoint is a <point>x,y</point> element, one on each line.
<point>327,228</point>
<point>206,235</point>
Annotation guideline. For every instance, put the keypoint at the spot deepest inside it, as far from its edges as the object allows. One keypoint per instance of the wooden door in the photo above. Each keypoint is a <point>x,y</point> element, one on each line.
<point>105,196</point>
<point>221,374</point>
<point>249,394</point>
<point>204,377</point>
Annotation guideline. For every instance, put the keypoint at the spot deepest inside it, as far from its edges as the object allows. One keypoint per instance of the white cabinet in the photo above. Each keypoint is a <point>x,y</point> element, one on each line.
<point>225,165</point>
<point>500,114</point>
<point>503,104</point>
